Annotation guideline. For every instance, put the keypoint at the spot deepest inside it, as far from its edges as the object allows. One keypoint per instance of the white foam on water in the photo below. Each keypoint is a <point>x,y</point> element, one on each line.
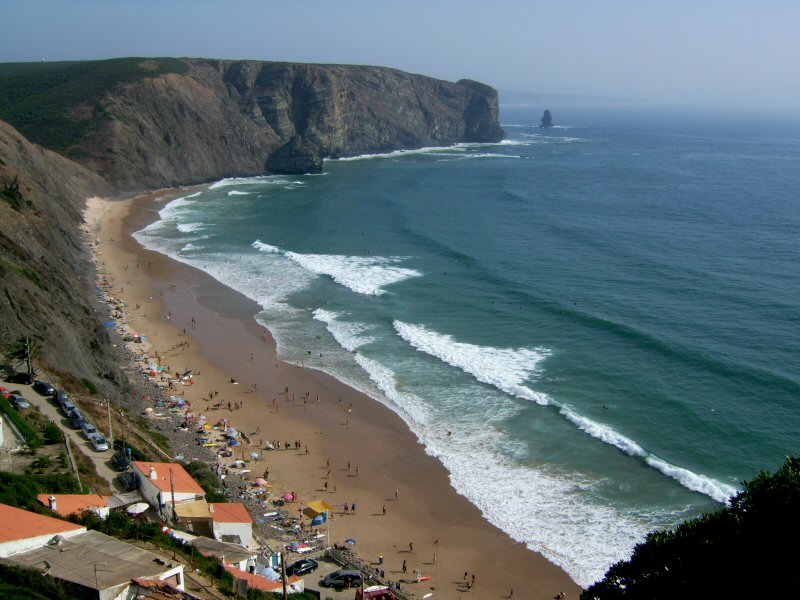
<point>721,492</point>
<point>362,274</point>
<point>549,513</point>
<point>504,368</point>
<point>189,227</point>
<point>712,488</point>
<point>259,180</point>
<point>348,335</point>
<point>174,207</point>
<point>262,247</point>
<point>604,433</point>
<point>240,193</point>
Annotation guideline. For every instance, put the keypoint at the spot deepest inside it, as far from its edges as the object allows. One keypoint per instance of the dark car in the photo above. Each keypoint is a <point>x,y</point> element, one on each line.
<point>23,378</point>
<point>43,388</point>
<point>76,419</point>
<point>121,460</point>
<point>342,578</point>
<point>59,396</point>
<point>18,401</point>
<point>129,481</point>
<point>301,567</point>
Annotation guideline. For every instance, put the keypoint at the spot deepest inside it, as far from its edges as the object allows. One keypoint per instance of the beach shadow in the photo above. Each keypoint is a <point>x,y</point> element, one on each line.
<point>380,514</point>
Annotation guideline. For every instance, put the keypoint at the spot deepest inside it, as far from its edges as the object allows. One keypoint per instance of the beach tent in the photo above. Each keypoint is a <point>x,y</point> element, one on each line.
<point>316,508</point>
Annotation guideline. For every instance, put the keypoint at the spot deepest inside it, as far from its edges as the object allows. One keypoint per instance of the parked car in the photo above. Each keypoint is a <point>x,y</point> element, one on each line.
<point>129,481</point>
<point>5,391</point>
<point>67,408</point>
<point>342,578</point>
<point>301,567</point>
<point>18,401</point>
<point>43,388</point>
<point>59,396</point>
<point>375,592</point>
<point>23,378</point>
<point>121,460</point>
<point>76,419</point>
<point>99,443</point>
<point>89,430</point>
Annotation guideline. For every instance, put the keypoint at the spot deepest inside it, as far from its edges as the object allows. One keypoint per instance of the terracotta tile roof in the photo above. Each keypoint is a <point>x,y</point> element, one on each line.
<point>261,583</point>
<point>66,504</point>
<point>18,524</point>
<point>183,482</point>
<point>230,512</point>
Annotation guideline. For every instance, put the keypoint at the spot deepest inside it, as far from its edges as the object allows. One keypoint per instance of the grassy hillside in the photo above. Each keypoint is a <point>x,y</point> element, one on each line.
<point>55,104</point>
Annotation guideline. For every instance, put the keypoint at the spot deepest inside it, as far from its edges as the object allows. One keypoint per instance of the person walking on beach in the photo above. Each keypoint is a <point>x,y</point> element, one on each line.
<point>410,546</point>
<point>353,508</point>
<point>384,510</point>
<point>396,495</point>
<point>405,567</point>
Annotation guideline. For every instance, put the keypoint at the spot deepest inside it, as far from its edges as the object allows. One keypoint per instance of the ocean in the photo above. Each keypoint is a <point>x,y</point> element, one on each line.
<point>593,327</point>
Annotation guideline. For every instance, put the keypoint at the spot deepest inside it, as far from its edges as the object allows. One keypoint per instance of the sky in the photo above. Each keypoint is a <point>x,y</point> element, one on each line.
<point>738,53</point>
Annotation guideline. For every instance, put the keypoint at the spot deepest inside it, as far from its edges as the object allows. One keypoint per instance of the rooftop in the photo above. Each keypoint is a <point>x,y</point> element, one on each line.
<point>181,480</point>
<point>92,560</point>
<point>230,512</point>
<point>66,504</point>
<point>18,524</point>
<point>261,583</point>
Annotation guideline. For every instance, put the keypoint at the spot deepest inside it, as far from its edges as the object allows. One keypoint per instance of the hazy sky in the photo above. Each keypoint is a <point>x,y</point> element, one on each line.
<point>741,53</point>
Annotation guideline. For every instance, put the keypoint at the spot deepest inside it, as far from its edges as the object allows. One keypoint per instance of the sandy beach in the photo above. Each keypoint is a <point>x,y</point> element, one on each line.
<point>402,496</point>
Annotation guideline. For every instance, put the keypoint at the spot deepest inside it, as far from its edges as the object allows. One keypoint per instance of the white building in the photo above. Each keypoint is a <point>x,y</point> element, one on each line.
<point>232,523</point>
<point>163,485</point>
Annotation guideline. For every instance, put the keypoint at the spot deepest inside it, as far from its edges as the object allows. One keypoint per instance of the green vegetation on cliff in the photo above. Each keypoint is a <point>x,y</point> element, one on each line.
<point>54,104</point>
<point>719,555</point>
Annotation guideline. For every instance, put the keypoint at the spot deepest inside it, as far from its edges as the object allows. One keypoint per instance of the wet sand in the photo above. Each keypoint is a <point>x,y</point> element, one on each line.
<point>179,304</point>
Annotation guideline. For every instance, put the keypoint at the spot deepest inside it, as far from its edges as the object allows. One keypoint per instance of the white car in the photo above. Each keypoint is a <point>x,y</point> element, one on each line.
<point>89,430</point>
<point>99,442</point>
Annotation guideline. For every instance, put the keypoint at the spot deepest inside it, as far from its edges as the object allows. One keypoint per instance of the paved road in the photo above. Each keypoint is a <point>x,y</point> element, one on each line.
<point>101,460</point>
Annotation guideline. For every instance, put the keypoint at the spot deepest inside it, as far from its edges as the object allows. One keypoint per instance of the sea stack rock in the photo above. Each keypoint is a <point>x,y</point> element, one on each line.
<point>547,120</point>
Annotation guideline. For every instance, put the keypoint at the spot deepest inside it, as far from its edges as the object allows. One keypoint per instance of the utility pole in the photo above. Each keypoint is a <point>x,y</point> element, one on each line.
<point>283,576</point>
<point>172,490</point>
<point>110,429</point>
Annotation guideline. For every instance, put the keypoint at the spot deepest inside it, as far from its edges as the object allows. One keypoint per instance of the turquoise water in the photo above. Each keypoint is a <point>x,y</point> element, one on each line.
<point>593,327</point>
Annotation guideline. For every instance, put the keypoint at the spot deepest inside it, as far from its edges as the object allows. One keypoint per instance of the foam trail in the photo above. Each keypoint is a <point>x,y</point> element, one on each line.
<point>262,247</point>
<point>348,335</point>
<point>712,488</point>
<point>239,193</point>
<point>721,492</point>
<point>604,433</point>
<point>362,274</point>
<point>504,368</point>
<point>189,227</point>
<point>264,179</point>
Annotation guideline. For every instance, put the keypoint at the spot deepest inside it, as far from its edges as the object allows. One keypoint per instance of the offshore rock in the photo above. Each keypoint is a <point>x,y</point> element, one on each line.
<point>547,120</point>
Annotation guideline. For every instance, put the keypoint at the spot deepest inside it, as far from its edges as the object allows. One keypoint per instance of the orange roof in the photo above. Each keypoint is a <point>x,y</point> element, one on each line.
<point>66,504</point>
<point>230,512</point>
<point>18,524</point>
<point>259,582</point>
<point>181,480</point>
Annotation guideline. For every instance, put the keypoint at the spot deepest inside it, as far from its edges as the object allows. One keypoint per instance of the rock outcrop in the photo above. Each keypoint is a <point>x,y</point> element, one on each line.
<point>547,120</point>
<point>163,122</point>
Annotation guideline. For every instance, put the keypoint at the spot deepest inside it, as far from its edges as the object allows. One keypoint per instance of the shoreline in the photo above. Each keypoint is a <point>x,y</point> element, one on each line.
<point>179,304</point>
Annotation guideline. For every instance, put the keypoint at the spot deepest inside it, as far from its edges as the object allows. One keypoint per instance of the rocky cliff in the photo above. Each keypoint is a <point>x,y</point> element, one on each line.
<point>159,122</point>
<point>46,286</point>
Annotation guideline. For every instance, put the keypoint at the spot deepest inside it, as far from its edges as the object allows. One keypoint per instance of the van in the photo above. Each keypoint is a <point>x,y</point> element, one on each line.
<point>67,407</point>
<point>342,578</point>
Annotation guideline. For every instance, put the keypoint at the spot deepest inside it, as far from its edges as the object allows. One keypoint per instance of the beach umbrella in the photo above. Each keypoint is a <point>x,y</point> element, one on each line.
<point>260,481</point>
<point>350,541</point>
<point>254,455</point>
<point>138,508</point>
<point>238,463</point>
<point>233,443</point>
<point>288,496</point>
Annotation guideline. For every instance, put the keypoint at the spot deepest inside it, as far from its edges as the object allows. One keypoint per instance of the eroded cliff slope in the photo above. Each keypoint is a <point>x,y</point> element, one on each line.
<point>145,123</point>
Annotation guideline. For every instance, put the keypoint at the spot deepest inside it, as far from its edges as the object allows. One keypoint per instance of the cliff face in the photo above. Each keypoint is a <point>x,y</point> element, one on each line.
<point>196,120</point>
<point>45,278</point>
